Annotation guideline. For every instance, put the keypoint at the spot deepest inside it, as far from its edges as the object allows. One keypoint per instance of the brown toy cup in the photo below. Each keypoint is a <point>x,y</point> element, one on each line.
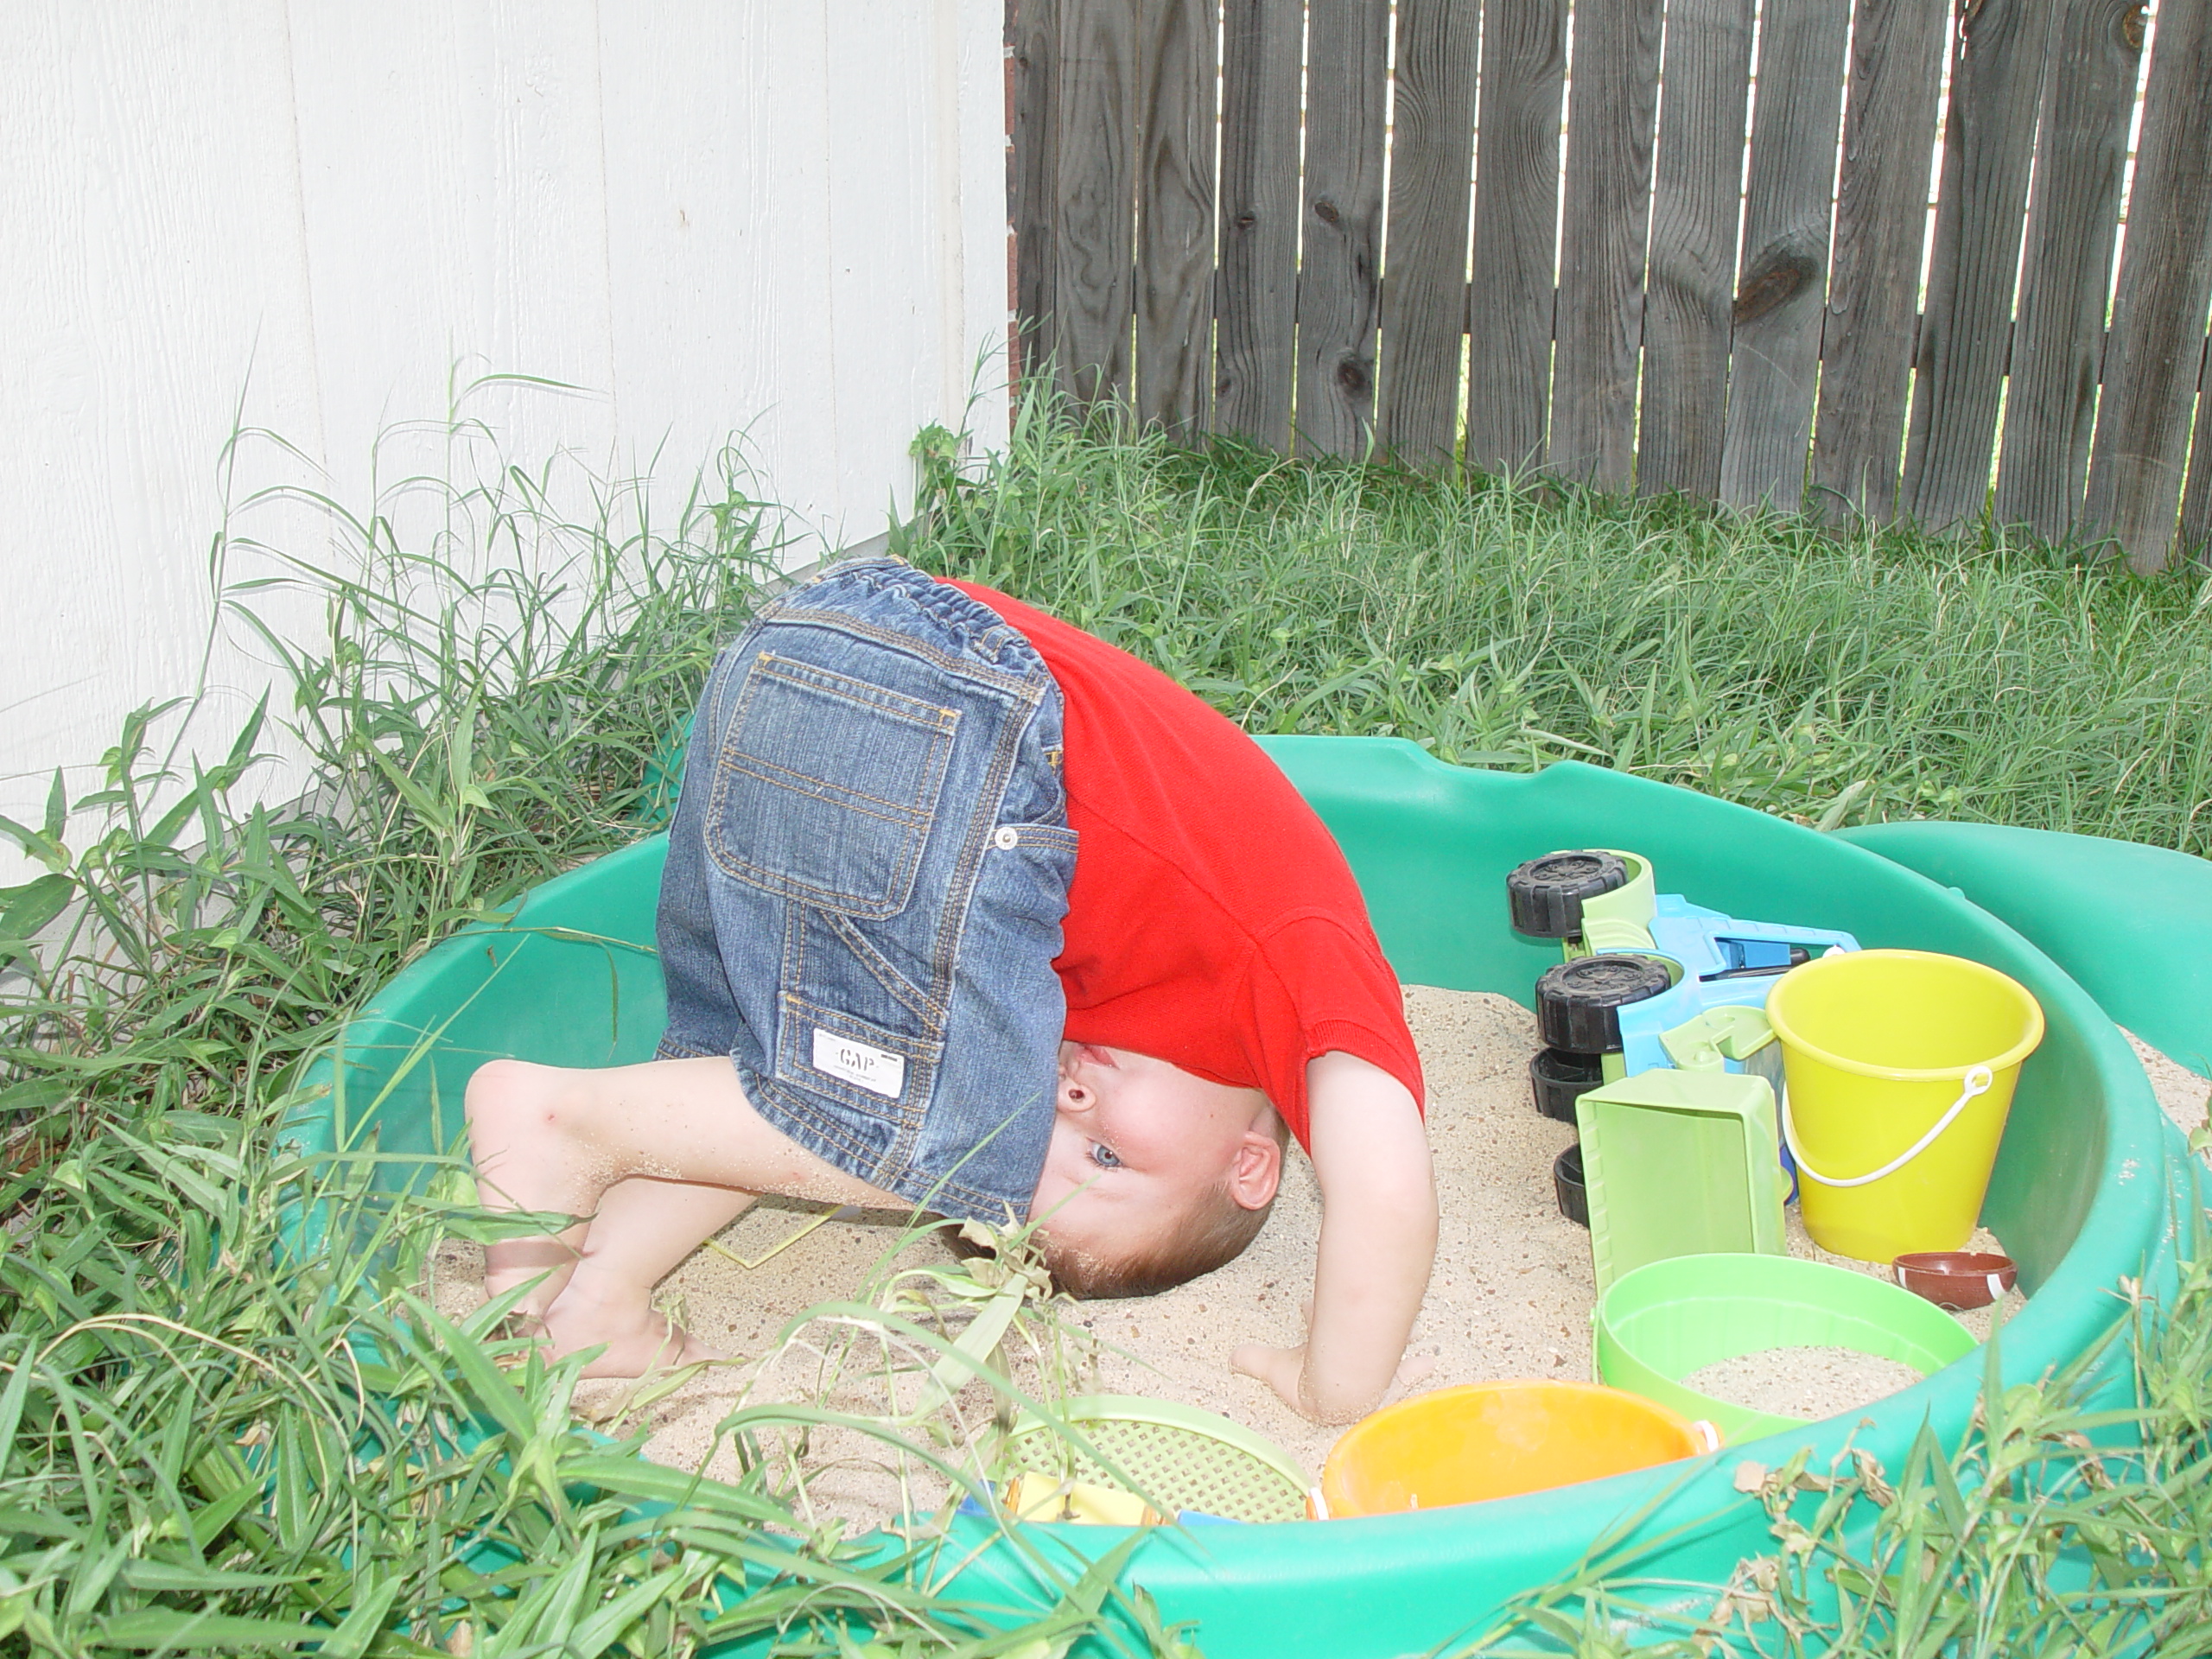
<point>1955,1279</point>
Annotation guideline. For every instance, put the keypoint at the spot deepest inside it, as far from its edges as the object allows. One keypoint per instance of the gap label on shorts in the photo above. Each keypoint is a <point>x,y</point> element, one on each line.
<point>876,1070</point>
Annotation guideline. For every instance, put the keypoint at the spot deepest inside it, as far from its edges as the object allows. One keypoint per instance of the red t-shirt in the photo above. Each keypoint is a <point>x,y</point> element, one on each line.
<point>1213,922</point>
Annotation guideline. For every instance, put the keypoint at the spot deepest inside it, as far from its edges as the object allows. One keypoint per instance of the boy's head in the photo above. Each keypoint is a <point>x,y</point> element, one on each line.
<point>1153,1176</point>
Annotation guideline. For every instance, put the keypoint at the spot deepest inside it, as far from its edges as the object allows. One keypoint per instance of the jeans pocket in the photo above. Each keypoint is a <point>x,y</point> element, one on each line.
<point>1026,874</point>
<point>826,787</point>
<point>872,1070</point>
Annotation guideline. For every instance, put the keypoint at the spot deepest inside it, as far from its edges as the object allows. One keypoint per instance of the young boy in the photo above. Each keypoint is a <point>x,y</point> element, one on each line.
<point>892,983</point>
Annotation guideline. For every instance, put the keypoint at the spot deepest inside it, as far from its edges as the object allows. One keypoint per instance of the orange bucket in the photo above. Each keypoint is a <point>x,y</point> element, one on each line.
<point>1493,1440</point>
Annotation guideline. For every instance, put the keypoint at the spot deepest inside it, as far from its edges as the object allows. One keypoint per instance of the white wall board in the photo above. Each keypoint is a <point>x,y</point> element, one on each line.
<point>779,221</point>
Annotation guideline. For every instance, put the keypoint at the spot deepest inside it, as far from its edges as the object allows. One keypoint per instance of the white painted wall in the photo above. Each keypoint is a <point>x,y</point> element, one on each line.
<point>779,217</point>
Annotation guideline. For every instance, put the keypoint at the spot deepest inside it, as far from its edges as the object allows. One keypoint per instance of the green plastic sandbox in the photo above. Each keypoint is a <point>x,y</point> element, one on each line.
<point>2093,1185</point>
<point>1670,1318</point>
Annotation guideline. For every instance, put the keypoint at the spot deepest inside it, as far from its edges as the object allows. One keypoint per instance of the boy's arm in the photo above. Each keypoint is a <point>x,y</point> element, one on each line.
<point>1378,1240</point>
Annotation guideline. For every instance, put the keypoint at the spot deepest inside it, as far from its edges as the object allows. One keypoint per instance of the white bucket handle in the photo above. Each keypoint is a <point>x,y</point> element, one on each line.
<point>1978,1081</point>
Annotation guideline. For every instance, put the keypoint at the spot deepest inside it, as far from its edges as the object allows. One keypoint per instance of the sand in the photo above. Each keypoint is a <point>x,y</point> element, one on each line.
<point>1809,1382</point>
<point>1510,1297</point>
<point>2184,1094</point>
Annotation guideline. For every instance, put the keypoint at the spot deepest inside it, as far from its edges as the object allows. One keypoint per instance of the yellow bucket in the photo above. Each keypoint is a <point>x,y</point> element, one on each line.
<point>1901,1065</point>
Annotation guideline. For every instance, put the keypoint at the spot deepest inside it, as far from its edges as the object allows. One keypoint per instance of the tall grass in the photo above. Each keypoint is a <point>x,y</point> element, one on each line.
<point>1835,679</point>
<point>215,1443</point>
<point>212,1443</point>
<point>467,734</point>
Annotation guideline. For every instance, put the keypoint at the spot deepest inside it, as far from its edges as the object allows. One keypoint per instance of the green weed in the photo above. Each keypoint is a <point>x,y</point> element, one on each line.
<point>1511,623</point>
<point>215,1443</point>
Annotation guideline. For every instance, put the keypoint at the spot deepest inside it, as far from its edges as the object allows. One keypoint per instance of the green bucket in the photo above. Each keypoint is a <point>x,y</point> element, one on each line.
<point>1666,1320</point>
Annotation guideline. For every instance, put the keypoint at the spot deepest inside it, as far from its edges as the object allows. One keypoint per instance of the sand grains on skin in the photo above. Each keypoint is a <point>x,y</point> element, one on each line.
<point>1510,1297</point>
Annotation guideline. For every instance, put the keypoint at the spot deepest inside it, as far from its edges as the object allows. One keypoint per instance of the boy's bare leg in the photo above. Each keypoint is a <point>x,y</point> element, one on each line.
<point>577,1142</point>
<point>644,1229</point>
<point>542,1264</point>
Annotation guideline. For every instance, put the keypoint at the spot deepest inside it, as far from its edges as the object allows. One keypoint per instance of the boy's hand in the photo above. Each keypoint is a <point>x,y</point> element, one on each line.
<point>1280,1369</point>
<point>1378,1240</point>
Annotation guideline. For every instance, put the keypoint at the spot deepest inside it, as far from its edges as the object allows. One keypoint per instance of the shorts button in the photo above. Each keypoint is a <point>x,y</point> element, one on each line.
<point>1006,835</point>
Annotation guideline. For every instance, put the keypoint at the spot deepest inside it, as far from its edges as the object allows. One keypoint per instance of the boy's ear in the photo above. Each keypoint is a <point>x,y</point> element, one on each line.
<point>1255,1169</point>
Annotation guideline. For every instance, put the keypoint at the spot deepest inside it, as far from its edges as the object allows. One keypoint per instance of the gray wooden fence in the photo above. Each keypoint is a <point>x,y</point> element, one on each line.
<point>1212,244</point>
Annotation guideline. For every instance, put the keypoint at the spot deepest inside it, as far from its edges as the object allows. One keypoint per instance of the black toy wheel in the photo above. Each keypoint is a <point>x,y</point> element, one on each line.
<point>1576,1001</point>
<point>1557,1079</point>
<point>1568,1187</point>
<point>1546,894</point>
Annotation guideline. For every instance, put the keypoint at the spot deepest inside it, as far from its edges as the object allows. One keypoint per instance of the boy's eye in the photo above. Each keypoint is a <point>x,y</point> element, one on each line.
<point>1104,1157</point>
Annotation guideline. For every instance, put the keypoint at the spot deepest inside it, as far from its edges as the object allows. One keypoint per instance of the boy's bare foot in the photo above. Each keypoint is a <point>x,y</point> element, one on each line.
<point>655,1157</point>
<point>637,1337</point>
<point>550,1138</point>
<point>513,1262</point>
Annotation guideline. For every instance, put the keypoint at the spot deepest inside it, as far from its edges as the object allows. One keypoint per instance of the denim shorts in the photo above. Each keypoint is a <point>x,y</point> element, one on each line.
<point>867,874</point>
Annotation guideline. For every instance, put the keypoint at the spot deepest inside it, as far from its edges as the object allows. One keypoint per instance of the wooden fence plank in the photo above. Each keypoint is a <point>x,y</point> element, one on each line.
<point>1509,299</point>
<point>1175,214</point>
<point>1874,278</point>
<point>1695,202</point>
<point>1112,241</point>
<point>1096,223</point>
<point>1425,247</point>
<point>1966,332</point>
<point>2066,273</point>
<point>1776,361</point>
<point>2154,359</point>
<point>1256,307</point>
<point>2197,505</point>
<point>1032,29</point>
<point>1600,318</point>
<point>1347,64</point>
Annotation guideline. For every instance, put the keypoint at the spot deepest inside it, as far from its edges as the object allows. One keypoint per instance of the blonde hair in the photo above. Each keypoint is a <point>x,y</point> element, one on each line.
<point>1217,1230</point>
